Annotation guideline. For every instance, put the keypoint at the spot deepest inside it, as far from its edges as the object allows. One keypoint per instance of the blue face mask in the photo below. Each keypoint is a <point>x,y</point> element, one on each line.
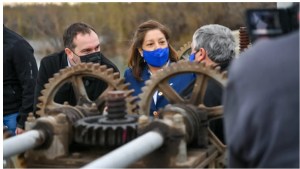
<point>192,57</point>
<point>156,58</point>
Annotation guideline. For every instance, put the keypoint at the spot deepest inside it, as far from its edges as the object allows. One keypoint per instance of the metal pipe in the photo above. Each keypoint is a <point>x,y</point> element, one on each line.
<point>129,153</point>
<point>20,143</point>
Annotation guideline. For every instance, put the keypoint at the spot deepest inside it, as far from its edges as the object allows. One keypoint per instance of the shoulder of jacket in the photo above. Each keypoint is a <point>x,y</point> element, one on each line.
<point>128,70</point>
<point>55,57</point>
<point>109,63</point>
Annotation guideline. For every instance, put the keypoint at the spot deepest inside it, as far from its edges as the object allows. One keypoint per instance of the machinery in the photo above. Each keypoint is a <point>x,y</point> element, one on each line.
<point>116,131</point>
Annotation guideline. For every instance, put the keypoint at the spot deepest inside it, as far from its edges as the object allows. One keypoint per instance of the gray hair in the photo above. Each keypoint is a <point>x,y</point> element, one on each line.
<point>217,40</point>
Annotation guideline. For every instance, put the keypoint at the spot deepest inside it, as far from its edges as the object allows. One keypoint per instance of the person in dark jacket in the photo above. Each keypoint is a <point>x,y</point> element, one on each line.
<point>81,44</point>
<point>261,105</point>
<point>19,75</point>
<point>215,45</point>
<point>150,52</point>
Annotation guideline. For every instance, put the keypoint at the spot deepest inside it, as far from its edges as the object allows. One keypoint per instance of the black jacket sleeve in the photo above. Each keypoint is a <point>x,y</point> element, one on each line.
<point>26,69</point>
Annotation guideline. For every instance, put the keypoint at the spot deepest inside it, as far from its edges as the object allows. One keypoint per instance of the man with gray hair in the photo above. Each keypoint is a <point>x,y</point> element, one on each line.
<point>215,45</point>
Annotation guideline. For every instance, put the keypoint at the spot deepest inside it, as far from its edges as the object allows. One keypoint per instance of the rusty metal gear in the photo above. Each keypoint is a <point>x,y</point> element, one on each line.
<point>74,76</point>
<point>203,73</point>
<point>184,51</point>
<point>110,130</point>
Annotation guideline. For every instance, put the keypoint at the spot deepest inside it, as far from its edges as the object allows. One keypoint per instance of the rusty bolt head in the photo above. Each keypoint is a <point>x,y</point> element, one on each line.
<point>143,119</point>
<point>178,119</point>
<point>61,118</point>
<point>30,117</point>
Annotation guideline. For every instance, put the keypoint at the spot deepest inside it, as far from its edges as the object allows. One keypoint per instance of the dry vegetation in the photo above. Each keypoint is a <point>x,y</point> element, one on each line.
<point>116,22</point>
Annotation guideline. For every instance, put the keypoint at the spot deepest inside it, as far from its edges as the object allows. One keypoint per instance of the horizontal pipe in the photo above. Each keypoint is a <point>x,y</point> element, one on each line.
<point>21,143</point>
<point>129,153</point>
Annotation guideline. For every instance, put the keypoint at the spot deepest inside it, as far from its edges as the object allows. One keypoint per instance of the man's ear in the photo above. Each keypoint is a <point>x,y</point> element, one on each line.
<point>69,53</point>
<point>70,56</point>
<point>200,55</point>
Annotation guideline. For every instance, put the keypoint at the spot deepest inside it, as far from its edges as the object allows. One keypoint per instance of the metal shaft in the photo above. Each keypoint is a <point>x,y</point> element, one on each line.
<point>129,153</point>
<point>20,143</point>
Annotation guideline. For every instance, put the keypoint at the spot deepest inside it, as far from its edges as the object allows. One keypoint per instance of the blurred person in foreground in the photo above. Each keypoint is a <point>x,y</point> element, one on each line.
<point>81,44</point>
<point>19,76</point>
<point>261,105</point>
<point>149,53</point>
<point>214,44</point>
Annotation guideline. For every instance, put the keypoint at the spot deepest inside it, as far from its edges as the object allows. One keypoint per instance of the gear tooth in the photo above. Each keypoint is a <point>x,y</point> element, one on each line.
<point>44,92</point>
<point>60,71</point>
<point>212,67</point>
<point>89,64</point>
<point>144,89</point>
<point>148,82</point>
<point>218,69</point>
<point>123,87</point>
<point>202,63</point>
<point>39,105</point>
<point>120,81</point>
<point>140,95</point>
<point>184,49</point>
<point>126,86</point>
<point>80,66</point>
<point>224,74</point>
<point>47,85</point>
<point>110,71</point>
<point>39,113</point>
<point>40,98</point>
<point>57,74</point>
<point>116,75</point>
<point>51,80</point>
<point>130,92</point>
<point>96,66</point>
<point>103,67</point>
<point>133,99</point>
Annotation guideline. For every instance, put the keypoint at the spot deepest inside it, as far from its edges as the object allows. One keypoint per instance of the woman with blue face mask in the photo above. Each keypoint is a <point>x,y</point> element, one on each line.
<point>150,51</point>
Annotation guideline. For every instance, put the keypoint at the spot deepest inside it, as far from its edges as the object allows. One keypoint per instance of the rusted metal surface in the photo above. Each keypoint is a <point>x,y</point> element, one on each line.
<point>159,81</point>
<point>75,75</point>
<point>184,51</point>
<point>244,39</point>
<point>181,126</point>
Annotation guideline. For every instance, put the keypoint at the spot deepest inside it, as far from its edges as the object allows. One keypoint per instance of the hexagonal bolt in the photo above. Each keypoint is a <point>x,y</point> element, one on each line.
<point>143,120</point>
<point>61,118</point>
<point>30,121</point>
<point>94,106</point>
<point>30,117</point>
<point>178,120</point>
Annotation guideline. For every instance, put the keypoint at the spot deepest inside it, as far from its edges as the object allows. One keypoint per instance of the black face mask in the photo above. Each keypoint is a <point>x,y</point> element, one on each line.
<point>92,57</point>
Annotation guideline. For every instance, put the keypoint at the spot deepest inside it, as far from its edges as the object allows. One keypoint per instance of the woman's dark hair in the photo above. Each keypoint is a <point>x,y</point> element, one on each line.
<point>136,62</point>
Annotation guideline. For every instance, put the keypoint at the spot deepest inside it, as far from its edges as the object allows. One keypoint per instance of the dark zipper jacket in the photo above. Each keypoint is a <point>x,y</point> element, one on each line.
<point>19,76</point>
